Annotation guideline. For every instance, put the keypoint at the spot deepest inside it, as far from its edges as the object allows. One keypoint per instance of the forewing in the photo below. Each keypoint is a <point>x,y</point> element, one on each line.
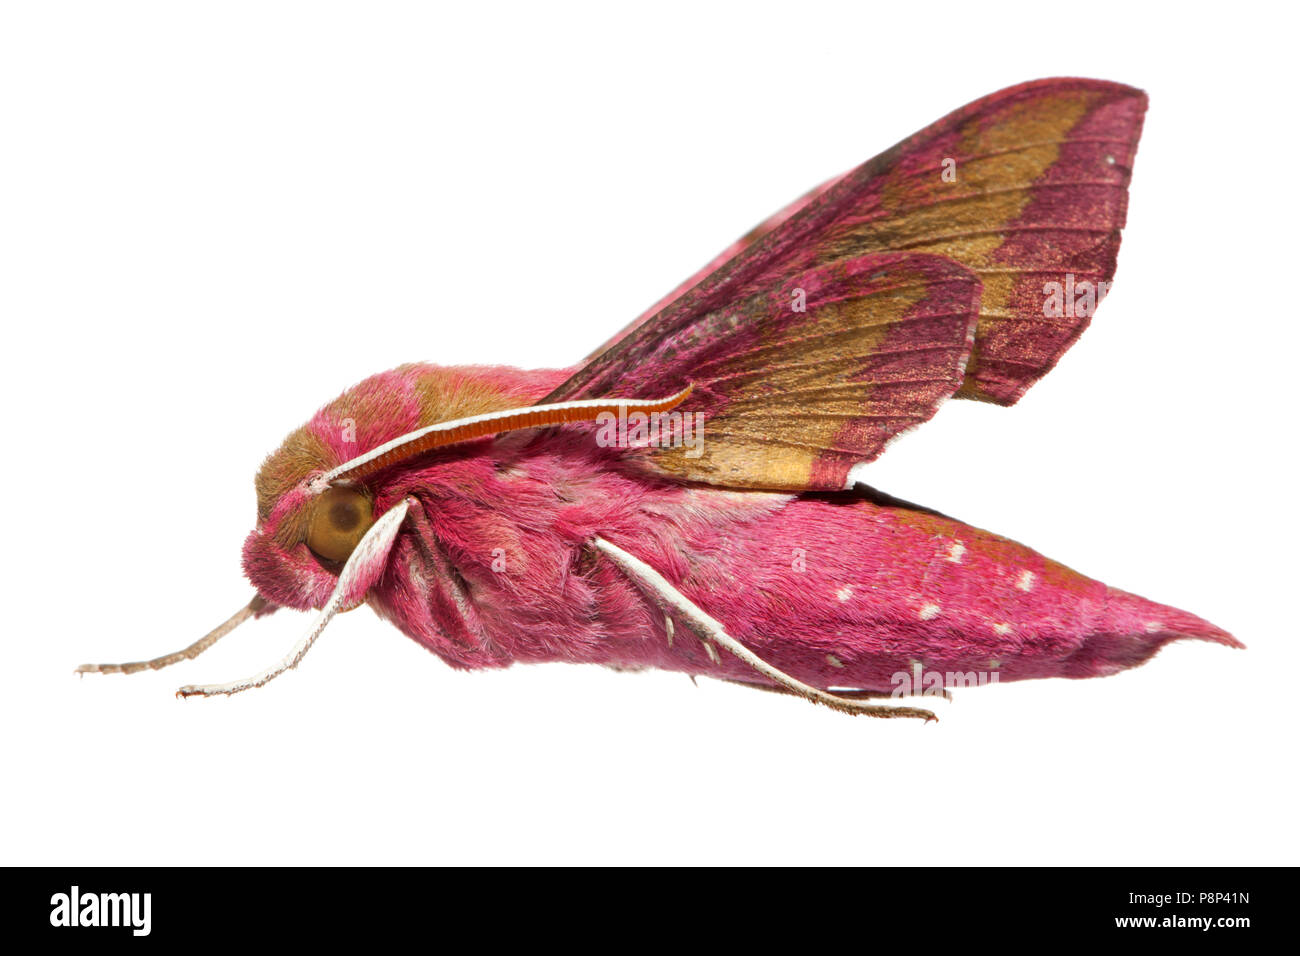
<point>1026,187</point>
<point>798,383</point>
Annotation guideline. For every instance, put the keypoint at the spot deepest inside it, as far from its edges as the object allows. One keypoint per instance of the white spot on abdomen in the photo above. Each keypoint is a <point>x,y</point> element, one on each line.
<point>844,593</point>
<point>1027,579</point>
<point>834,661</point>
<point>956,551</point>
<point>1002,627</point>
<point>929,612</point>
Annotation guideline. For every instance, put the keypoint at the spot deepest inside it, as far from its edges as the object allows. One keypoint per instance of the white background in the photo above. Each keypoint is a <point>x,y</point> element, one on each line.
<point>215,217</point>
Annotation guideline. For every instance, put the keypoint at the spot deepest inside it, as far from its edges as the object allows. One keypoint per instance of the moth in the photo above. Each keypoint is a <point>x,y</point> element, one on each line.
<point>691,496</point>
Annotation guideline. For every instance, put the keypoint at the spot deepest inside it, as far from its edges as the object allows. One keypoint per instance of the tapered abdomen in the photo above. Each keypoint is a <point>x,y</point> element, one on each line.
<point>849,593</point>
<point>836,590</point>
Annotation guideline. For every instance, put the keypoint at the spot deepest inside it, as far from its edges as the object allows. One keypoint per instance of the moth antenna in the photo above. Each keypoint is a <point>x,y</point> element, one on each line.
<point>189,653</point>
<point>362,569</point>
<point>492,423</point>
<point>711,629</point>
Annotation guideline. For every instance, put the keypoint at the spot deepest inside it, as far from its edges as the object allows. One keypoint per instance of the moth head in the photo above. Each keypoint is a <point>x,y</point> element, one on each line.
<point>319,493</point>
<point>308,526</point>
<point>294,556</point>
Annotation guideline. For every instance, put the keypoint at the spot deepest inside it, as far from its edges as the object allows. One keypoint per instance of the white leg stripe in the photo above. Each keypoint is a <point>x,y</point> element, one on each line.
<point>711,629</point>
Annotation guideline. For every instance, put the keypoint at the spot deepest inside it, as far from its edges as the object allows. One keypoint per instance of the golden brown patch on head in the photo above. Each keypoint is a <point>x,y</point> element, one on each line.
<point>285,468</point>
<point>304,452</point>
<point>446,396</point>
<point>443,394</point>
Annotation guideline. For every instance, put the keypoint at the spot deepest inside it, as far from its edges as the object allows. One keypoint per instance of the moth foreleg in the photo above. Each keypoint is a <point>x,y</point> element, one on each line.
<point>710,629</point>
<point>289,661</point>
<point>362,569</point>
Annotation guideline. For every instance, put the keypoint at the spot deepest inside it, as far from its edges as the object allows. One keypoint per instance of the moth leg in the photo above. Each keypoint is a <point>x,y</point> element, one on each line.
<point>189,653</point>
<point>362,569</point>
<point>288,662</point>
<point>710,629</point>
<point>710,650</point>
<point>883,695</point>
<point>848,694</point>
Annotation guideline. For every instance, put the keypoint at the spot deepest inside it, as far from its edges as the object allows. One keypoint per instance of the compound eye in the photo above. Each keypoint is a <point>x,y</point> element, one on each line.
<point>340,518</point>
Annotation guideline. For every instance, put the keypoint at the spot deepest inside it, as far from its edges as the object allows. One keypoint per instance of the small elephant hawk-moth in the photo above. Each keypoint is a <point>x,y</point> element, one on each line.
<point>690,497</point>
